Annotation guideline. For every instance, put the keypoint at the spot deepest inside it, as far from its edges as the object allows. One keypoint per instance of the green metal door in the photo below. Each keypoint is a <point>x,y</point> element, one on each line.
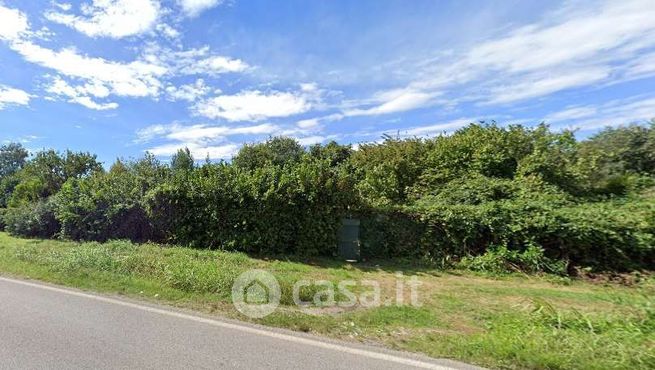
<point>349,239</point>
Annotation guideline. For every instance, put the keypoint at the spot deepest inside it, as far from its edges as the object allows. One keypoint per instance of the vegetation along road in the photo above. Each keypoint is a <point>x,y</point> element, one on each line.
<point>533,249</point>
<point>493,320</point>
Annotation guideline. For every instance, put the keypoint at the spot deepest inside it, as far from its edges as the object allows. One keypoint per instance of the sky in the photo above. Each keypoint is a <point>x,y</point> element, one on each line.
<point>121,77</point>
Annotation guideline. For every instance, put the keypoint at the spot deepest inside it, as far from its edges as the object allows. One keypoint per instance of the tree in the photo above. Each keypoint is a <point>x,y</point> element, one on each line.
<point>623,149</point>
<point>182,161</point>
<point>333,152</point>
<point>12,158</point>
<point>276,151</point>
<point>389,169</point>
<point>44,175</point>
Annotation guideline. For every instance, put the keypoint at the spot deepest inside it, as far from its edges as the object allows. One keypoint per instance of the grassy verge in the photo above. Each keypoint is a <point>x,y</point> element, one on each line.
<point>496,321</point>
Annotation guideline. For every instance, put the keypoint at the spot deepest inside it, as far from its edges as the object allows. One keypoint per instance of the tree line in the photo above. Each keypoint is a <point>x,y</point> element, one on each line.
<point>487,196</point>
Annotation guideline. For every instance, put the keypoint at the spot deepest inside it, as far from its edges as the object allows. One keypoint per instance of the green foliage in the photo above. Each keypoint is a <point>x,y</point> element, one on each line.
<point>495,152</point>
<point>276,151</point>
<point>606,235</point>
<point>628,148</point>
<point>110,205</point>
<point>333,152</point>
<point>12,158</point>
<point>3,211</point>
<point>387,171</point>
<point>32,219</point>
<point>475,189</point>
<point>499,259</point>
<point>7,186</point>
<point>44,174</point>
<point>614,160</point>
<point>182,162</point>
<point>493,196</point>
<point>269,210</point>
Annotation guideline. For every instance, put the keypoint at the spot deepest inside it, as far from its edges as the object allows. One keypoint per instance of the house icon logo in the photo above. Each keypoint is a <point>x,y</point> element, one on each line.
<point>256,293</point>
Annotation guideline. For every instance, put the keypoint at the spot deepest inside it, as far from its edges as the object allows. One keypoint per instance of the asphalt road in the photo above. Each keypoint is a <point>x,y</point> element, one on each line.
<point>48,327</point>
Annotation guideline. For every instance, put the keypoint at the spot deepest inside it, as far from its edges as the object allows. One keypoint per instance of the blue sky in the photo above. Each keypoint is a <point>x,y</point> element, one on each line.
<point>119,77</point>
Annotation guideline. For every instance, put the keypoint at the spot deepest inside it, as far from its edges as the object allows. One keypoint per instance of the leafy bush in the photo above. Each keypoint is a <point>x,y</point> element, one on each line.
<point>44,175</point>
<point>387,171</point>
<point>277,151</point>
<point>109,205</point>
<point>499,259</point>
<point>2,219</point>
<point>493,196</point>
<point>605,235</point>
<point>32,220</point>
<point>270,210</point>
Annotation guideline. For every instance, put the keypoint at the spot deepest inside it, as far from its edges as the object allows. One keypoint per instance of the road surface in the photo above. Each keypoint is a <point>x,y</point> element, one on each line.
<point>48,327</point>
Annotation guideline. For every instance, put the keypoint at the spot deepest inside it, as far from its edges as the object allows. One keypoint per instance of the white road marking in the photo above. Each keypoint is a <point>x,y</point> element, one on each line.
<point>243,328</point>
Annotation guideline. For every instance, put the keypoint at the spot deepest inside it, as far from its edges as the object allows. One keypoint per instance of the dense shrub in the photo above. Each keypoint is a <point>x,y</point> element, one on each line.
<point>271,210</point>
<point>623,149</point>
<point>490,196</point>
<point>110,205</point>
<point>606,235</point>
<point>496,152</point>
<point>387,171</point>
<point>32,220</point>
<point>277,151</point>
<point>44,175</point>
<point>500,259</point>
<point>2,219</point>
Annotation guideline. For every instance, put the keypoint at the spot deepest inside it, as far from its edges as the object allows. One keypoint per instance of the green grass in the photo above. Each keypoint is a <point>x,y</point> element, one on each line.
<point>510,321</point>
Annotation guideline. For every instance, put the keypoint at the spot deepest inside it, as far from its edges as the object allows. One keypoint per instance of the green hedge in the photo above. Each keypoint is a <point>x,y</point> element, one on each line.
<point>273,210</point>
<point>33,219</point>
<point>103,207</point>
<point>2,218</point>
<point>506,193</point>
<point>605,235</point>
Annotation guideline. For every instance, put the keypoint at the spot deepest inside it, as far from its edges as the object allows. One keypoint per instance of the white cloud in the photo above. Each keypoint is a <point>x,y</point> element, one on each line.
<point>13,23</point>
<point>643,66</point>
<point>195,61</point>
<point>314,124</point>
<point>12,96</point>
<point>198,151</point>
<point>310,140</point>
<point>253,105</point>
<point>582,45</point>
<point>536,86</point>
<point>214,65</point>
<point>80,94</point>
<point>194,7</point>
<point>201,133</point>
<point>63,6</point>
<point>134,79</point>
<point>168,31</point>
<point>583,36</point>
<point>612,113</point>
<point>395,101</point>
<point>87,102</point>
<point>189,92</point>
<point>146,134</point>
<point>308,123</point>
<point>201,139</point>
<point>111,18</point>
<point>437,129</point>
<point>83,79</point>
<point>572,113</point>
